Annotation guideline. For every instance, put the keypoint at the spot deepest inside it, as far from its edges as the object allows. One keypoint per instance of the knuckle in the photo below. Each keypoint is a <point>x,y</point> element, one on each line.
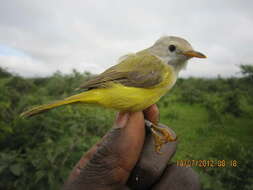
<point>151,169</point>
<point>104,164</point>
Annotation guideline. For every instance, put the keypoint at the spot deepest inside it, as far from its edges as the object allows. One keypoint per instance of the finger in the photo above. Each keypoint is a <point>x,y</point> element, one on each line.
<point>126,143</point>
<point>81,163</point>
<point>116,156</point>
<point>178,178</point>
<point>152,114</point>
<point>120,121</point>
<point>151,164</point>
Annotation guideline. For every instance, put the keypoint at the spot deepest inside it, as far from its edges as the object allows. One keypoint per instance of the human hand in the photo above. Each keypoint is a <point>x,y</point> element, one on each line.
<point>126,159</point>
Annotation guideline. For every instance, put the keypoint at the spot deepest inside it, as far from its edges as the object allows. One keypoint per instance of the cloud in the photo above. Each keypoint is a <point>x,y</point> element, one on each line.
<point>24,65</point>
<point>89,35</point>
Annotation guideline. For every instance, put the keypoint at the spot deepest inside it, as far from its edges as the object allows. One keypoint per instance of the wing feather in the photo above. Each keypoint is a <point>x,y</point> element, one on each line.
<point>136,70</point>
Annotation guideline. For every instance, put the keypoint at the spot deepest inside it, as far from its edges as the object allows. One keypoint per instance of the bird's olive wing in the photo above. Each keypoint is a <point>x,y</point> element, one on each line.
<point>138,70</point>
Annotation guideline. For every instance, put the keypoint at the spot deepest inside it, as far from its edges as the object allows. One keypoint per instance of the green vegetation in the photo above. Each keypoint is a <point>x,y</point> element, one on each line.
<point>212,117</point>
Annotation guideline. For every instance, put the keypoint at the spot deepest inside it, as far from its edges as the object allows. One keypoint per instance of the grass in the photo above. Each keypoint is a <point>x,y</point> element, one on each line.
<point>197,137</point>
<point>200,140</point>
<point>189,120</point>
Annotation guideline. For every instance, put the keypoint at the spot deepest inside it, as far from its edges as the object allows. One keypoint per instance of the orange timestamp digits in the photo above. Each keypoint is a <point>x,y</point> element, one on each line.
<point>207,163</point>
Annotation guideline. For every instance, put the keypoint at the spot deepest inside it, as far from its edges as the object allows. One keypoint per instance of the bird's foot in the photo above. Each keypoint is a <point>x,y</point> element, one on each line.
<point>161,135</point>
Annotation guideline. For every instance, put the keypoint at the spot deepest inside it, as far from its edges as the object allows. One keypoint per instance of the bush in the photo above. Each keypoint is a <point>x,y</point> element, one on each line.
<point>232,103</point>
<point>4,73</point>
<point>38,153</point>
<point>238,175</point>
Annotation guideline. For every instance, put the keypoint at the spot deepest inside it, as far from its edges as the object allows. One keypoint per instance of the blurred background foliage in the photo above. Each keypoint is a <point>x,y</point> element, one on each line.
<point>213,118</point>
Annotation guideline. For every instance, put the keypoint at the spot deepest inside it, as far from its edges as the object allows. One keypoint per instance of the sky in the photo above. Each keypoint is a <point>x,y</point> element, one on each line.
<point>38,38</point>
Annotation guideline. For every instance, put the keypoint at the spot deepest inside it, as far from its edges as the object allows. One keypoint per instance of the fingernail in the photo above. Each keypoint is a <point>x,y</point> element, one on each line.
<point>121,120</point>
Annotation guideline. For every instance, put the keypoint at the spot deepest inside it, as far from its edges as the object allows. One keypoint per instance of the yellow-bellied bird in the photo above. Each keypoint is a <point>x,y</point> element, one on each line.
<point>136,82</point>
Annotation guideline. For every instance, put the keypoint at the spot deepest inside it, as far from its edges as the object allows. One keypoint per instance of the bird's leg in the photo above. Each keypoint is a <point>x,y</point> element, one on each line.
<point>168,137</point>
<point>158,140</point>
<point>161,135</point>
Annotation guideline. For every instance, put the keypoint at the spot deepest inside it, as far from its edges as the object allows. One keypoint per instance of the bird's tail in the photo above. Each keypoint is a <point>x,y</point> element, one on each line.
<point>82,97</point>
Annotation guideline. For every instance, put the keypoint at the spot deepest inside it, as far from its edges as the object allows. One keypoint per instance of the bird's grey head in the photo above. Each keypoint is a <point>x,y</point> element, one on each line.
<point>175,51</point>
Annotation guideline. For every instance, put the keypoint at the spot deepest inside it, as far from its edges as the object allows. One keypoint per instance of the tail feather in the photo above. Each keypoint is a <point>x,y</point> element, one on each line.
<point>43,108</point>
<point>82,97</point>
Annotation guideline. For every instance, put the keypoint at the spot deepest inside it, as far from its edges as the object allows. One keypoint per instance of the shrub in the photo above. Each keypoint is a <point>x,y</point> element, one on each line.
<point>238,175</point>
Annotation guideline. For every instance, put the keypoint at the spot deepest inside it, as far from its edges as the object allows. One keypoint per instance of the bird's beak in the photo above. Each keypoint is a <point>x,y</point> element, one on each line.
<point>193,53</point>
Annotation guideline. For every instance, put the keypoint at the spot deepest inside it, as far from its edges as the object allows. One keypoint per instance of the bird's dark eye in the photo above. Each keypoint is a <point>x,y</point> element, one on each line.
<point>172,48</point>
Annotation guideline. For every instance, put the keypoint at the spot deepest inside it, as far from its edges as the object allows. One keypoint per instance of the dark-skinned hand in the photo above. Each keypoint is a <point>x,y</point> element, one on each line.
<point>126,159</point>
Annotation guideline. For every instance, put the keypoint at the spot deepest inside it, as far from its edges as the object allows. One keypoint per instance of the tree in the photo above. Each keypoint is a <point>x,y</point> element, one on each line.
<point>247,70</point>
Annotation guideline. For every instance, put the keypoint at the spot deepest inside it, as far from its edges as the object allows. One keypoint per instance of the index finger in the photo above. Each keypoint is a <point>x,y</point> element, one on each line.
<point>152,114</point>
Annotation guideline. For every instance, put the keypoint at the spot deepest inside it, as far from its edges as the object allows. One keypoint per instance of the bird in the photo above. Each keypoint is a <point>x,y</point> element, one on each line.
<point>136,82</point>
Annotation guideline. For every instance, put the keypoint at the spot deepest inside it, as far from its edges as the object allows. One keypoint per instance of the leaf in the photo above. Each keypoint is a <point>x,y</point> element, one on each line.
<point>39,174</point>
<point>2,167</point>
<point>16,169</point>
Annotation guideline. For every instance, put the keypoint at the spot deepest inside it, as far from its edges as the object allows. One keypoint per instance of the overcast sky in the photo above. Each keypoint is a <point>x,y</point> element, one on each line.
<point>39,37</point>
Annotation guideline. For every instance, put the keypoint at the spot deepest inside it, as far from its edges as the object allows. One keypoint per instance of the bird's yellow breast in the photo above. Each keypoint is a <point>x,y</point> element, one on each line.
<point>125,98</point>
